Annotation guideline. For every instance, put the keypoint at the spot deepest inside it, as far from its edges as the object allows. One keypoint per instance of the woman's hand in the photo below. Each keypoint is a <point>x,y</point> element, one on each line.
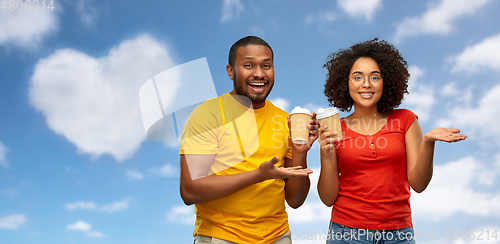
<point>327,141</point>
<point>444,134</point>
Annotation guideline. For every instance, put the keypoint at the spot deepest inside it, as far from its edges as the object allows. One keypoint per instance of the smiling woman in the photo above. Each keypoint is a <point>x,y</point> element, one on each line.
<point>375,177</point>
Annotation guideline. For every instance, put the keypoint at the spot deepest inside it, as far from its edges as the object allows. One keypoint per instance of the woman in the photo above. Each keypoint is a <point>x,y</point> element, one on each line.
<point>368,173</point>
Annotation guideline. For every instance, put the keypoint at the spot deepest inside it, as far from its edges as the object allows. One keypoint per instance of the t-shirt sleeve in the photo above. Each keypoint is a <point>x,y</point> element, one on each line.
<point>407,118</point>
<point>200,133</point>
<point>289,153</point>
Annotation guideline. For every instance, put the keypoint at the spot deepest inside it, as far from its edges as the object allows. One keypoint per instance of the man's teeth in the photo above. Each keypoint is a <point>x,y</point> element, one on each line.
<point>257,84</point>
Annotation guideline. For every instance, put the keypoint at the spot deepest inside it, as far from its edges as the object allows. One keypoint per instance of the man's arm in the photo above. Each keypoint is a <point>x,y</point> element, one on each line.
<point>195,187</point>
<point>296,189</point>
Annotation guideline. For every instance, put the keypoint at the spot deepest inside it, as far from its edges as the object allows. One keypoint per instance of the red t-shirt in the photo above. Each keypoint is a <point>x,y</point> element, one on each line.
<point>374,190</point>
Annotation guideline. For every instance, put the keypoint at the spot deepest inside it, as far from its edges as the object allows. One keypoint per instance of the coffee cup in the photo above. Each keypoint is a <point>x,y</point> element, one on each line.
<point>330,117</point>
<point>299,118</point>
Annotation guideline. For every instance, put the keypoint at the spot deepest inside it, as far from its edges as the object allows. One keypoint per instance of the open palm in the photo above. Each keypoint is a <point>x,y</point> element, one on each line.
<point>445,134</point>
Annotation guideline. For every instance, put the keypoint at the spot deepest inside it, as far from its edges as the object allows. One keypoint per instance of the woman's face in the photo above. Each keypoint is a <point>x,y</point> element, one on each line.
<point>365,83</point>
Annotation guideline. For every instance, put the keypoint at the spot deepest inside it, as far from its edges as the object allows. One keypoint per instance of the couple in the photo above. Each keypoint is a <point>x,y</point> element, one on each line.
<point>239,171</point>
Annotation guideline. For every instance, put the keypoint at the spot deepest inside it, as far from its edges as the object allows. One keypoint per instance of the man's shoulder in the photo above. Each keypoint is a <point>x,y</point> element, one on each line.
<point>206,112</point>
<point>276,110</point>
<point>210,103</point>
<point>208,106</point>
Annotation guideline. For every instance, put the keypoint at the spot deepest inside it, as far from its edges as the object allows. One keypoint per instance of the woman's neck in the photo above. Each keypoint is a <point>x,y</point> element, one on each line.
<point>362,113</point>
<point>366,121</point>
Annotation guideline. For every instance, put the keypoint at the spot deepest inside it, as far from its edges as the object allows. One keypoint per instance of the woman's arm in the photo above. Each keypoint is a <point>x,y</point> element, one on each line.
<point>420,152</point>
<point>328,183</point>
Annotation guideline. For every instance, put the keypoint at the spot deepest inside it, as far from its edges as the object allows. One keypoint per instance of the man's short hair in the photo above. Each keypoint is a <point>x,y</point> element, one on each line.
<point>245,41</point>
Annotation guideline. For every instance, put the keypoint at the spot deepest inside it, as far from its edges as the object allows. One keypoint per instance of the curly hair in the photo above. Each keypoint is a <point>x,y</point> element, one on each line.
<point>393,67</point>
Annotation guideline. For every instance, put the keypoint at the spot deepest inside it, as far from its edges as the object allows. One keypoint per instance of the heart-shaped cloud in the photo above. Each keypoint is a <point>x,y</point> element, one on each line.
<point>93,102</point>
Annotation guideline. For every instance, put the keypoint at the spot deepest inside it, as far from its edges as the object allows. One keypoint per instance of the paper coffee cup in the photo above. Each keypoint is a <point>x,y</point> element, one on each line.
<point>299,118</point>
<point>330,117</point>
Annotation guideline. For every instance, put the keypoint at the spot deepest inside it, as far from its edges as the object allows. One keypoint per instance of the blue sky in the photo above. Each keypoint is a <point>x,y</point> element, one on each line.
<point>75,163</point>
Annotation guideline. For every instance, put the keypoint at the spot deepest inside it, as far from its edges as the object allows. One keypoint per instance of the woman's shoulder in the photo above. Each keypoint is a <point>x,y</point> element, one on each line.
<point>402,112</point>
<point>404,118</point>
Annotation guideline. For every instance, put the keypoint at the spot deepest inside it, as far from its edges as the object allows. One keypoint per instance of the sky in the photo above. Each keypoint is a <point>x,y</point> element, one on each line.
<point>77,167</point>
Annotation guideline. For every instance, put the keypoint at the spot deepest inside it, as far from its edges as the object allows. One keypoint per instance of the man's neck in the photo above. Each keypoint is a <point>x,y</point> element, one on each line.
<point>245,101</point>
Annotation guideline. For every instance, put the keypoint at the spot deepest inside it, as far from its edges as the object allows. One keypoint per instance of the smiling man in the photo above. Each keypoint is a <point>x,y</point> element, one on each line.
<point>238,165</point>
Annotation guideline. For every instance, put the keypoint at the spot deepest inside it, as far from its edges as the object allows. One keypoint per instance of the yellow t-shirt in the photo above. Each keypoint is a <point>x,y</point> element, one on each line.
<point>241,139</point>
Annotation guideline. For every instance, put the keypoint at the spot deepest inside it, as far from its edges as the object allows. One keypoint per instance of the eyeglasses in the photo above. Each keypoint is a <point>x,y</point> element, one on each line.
<point>358,81</point>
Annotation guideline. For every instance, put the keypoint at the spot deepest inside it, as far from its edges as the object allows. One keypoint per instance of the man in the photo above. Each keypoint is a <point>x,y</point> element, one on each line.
<point>233,149</point>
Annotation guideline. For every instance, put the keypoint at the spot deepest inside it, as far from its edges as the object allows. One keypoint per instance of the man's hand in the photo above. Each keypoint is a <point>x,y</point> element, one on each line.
<point>268,170</point>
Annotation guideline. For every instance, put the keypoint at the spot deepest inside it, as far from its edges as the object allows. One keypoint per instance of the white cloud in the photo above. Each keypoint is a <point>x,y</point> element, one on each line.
<point>134,175</point>
<point>85,227</point>
<point>168,171</point>
<point>360,8</point>
<point>478,120</point>
<point>10,192</point>
<point>115,207</point>
<point>309,212</point>
<point>12,221</point>
<point>3,153</point>
<point>257,30</point>
<point>26,29</point>
<point>231,9</point>
<point>87,12</point>
<point>111,207</point>
<point>80,226</point>
<point>94,102</point>
<point>68,169</point>
<point>96,234</point>
<point>454,189</point>
<point>314,176</point>
<point>421,97</point>
<point>181,214</point>
<point>312,210</point>
<point>313,107</point>
<point>457,95</point>
<point>479,57</point>
<point>281,103</point>
<point>287,107</point>
<point>450,90</point>
<point>322,18</point>
<point>438,19</point>
<point>81,205</point>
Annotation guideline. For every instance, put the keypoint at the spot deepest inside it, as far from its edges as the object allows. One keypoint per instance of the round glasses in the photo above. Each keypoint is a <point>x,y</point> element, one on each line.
<point>358,80</point>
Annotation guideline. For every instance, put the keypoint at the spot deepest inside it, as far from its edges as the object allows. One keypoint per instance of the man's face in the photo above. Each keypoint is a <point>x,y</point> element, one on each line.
<point>253,73</point>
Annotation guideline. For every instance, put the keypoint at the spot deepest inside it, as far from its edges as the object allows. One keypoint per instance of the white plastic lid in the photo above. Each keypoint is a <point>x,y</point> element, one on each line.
<point>327,112</point>
<point>299,141</point>
<point>299,110</point>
